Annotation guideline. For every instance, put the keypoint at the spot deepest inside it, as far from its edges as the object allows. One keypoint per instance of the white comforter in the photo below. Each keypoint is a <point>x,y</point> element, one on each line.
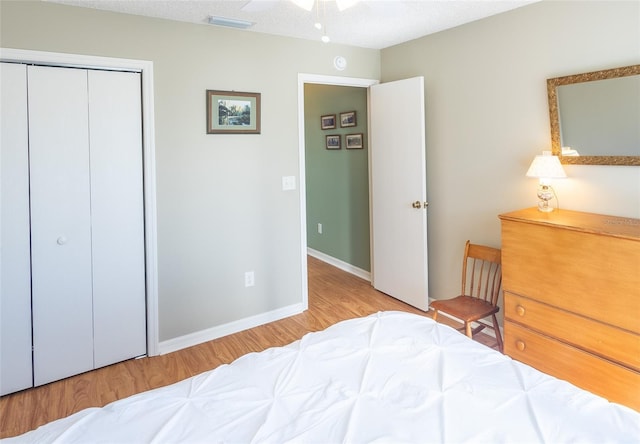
<point>389,377</point>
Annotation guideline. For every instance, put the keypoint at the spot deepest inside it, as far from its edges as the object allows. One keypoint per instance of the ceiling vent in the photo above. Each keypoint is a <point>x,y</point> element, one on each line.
<point>229,22</point>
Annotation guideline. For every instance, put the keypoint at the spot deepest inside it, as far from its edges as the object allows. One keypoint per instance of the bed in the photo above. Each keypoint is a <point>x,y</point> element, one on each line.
<point>388,377</point>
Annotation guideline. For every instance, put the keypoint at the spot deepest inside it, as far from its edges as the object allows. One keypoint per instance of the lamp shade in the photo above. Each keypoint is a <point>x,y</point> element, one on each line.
<point>546,167</point>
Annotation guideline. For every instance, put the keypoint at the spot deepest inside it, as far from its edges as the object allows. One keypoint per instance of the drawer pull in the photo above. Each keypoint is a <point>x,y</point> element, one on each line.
<point>520,310</point>
<point>520,345</point>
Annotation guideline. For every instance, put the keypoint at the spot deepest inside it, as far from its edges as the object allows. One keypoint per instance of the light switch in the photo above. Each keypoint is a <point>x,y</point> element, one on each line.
<point>288,183</point>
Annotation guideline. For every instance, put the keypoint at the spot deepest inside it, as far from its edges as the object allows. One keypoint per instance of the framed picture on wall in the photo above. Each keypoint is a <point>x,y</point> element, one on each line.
<point>333,142</point>
<point>348,119</point>
<point>232,112</point>
<point>328,121</point>
<point>353,141</point>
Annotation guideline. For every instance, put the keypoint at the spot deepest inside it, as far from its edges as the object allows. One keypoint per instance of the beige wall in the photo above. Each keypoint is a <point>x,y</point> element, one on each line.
<point>221,208</point>
<point>487,117</point>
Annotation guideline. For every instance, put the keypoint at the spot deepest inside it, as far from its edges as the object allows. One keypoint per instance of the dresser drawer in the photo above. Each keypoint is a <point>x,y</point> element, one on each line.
<point>589,274</point>
<point>590,372</point>
<point>599,338</point>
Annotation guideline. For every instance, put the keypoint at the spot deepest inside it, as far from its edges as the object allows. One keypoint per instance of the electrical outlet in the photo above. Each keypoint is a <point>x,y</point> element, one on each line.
<point>288,183</point>
<point>319,228</point>
<point>249,279</point>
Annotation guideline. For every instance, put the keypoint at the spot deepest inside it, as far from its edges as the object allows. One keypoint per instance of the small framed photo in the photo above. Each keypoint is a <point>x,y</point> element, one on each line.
<point>232,112</point>
<point>348,119</point>
<point>328,121</point>
<point>353,141</point>
<point>333,142</point>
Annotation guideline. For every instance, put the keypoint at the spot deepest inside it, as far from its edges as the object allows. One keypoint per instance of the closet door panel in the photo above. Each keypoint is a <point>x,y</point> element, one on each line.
<point>15,273</point>
<point>60,223</point>
<point>117,216</point>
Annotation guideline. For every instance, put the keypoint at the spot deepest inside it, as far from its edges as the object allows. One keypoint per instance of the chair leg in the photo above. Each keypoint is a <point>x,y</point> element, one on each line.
<point>435,315</point>
<point>467,329</point>
<point>496,327</point>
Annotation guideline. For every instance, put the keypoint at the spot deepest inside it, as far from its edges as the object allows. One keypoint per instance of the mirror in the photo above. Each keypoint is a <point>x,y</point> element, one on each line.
<point>595,117</point>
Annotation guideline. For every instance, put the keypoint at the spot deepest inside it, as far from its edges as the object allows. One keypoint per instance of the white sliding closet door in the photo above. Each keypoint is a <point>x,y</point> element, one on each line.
<point>117,216</point>
<point>60,223</point>
<point>72,262</point>
<point>15,278</point>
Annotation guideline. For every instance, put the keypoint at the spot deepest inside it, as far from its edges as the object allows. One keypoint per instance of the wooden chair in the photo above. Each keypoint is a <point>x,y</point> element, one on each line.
<point>481,280</point>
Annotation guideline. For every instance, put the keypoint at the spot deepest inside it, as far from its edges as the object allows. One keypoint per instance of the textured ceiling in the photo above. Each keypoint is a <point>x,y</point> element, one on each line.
<point>370,23</point>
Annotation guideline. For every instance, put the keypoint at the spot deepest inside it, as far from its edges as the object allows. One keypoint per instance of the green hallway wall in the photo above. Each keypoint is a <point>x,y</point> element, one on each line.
<point>337,181</point>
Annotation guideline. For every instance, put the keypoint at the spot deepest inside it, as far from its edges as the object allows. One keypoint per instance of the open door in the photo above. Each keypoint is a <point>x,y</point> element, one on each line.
<point>398,191</point>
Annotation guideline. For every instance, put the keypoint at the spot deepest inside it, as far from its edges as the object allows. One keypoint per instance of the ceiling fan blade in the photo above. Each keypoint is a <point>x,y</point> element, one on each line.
<point>304,4</point>
<point>344,4</point>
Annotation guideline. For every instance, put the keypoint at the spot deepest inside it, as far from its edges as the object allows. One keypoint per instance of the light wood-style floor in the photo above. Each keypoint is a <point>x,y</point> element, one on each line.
<point>334,296</point>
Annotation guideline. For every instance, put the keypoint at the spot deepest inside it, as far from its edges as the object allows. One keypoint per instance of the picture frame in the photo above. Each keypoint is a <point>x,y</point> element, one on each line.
<point>353,141</point>
<point>332,142</point>
<point>348,119</point>
<point>328,121</point>
<point>233,112</point>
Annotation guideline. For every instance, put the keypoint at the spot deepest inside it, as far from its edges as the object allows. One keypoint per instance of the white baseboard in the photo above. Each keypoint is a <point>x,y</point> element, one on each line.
<point>363,274</point>
<point>210,334</point>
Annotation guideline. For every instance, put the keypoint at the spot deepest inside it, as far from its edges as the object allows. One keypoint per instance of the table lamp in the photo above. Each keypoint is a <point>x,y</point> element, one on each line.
<point>546,167</point>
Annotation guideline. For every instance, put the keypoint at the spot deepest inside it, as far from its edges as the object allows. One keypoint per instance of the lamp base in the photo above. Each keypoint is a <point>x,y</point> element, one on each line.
<point>544,206</point>
<point>545,194</point>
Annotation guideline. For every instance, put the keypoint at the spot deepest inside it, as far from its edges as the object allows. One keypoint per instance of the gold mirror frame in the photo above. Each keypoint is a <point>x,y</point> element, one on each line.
<point>556,148</point>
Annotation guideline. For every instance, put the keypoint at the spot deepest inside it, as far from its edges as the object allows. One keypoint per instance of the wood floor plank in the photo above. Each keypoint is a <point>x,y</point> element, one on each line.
<point>334,295</point>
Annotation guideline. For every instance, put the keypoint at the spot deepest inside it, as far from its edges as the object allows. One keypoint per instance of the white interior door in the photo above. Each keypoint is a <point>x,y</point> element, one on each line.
<point>398,186</point>
<point>60,223</point>
<point>117,214</point>
<point>15,279</point>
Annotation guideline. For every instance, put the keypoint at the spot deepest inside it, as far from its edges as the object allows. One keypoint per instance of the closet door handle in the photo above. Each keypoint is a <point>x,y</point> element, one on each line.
<point>61,240</point>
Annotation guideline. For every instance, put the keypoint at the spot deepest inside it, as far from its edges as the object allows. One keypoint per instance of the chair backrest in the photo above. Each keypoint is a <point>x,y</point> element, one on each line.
<point>482,272</point>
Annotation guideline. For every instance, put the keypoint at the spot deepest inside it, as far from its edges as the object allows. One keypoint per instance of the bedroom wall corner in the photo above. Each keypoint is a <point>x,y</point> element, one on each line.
<point>487,117</point>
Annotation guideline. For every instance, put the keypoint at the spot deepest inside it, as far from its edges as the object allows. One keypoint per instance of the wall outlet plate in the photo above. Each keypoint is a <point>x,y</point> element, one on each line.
<point>288,183</point>
<point>249,279</point>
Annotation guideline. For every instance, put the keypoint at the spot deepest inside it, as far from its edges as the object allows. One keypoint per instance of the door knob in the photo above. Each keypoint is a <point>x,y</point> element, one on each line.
<point>417,204</point>
<point>61,240</point>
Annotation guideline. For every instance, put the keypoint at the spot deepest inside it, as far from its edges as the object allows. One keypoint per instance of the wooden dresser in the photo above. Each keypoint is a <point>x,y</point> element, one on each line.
<point>571,284</point>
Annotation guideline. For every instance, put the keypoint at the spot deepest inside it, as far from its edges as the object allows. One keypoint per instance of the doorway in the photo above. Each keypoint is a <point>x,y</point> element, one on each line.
<point>312,79</point>
<point>337,176</point>
<point>397,169</point>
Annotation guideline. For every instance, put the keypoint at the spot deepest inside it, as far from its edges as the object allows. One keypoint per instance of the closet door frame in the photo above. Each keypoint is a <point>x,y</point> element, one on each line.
<point>145,68</point>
